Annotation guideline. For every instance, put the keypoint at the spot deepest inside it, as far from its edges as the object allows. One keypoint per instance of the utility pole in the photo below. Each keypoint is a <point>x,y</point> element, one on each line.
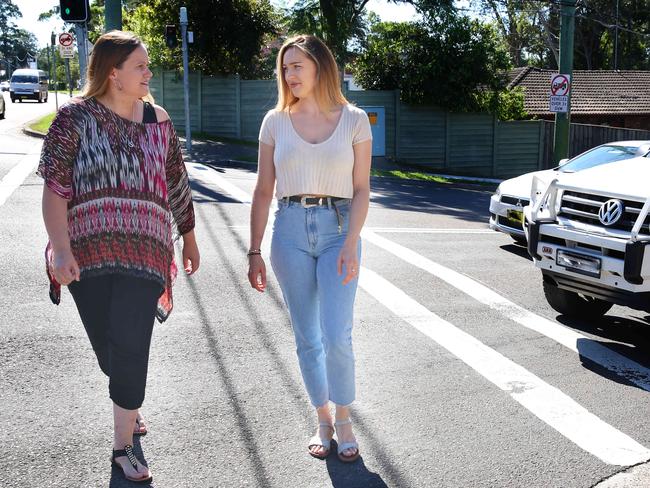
<point>186,83</point>
<point>113,15</point>
<point>616,39</point>
<point>563,119</point>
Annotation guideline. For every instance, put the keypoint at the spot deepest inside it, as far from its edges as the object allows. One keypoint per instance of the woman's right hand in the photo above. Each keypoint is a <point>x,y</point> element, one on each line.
<point>257,272</point>
<point>64,267</point>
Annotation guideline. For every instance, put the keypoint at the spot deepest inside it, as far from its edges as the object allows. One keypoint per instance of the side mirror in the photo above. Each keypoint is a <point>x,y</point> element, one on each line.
<point>562,162</point>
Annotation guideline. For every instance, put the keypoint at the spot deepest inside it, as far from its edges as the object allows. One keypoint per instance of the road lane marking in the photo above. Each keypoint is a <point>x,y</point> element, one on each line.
<point>580,344</point>
<point>411,230</point>
<point>428,230</point>
<point>548,403</point>
<point>627,368</point>
<point>16,175</point>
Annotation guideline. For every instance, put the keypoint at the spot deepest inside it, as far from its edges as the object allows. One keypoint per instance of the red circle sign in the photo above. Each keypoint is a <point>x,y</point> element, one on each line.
<point>560,85</point>
<point>65,39</point>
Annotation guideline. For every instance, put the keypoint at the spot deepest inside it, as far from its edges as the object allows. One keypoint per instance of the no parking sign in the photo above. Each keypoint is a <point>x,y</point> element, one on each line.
<point>560,90</point>
<point>66,45</point>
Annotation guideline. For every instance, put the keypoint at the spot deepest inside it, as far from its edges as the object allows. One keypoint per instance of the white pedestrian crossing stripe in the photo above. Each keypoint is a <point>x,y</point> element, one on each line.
<point>625,367</point>
<point>15,177</point>
<point>546,402</point>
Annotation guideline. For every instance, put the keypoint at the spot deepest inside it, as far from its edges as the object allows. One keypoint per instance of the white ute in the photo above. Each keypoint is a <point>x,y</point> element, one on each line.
<point>589,233</point>
<point>508,202</point>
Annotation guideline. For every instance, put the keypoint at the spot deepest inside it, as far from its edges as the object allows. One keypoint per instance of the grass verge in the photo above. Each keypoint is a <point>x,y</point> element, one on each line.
<point>416,175</point>
<point>43,124</point>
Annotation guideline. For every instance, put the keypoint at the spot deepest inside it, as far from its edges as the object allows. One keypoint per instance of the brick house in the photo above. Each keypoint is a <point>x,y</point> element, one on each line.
<point>613,98</point>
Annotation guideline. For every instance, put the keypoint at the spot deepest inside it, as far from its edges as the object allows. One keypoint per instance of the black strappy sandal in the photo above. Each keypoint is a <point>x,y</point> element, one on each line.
<point>128,452</point>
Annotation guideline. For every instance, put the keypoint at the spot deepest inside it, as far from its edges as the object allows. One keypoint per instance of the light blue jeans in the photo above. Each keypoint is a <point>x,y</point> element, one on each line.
<point>305,246</point>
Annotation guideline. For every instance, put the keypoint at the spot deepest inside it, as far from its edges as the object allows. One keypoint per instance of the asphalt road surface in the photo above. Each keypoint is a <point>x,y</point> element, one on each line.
<point>465,376</point>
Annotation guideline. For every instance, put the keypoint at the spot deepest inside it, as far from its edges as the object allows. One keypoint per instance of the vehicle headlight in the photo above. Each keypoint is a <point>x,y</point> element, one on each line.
<point>498,192</point>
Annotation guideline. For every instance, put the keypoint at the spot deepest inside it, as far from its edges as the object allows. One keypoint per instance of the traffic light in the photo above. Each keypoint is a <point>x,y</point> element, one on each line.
<point>74,10</point>
<point>170,36</point>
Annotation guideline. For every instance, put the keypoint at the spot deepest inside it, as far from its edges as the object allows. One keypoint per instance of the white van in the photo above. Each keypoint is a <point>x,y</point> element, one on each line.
<point>28,83</point>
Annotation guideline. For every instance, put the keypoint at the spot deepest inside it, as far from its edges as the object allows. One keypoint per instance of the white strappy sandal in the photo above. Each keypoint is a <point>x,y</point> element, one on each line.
<point>317,441</point>
<point>346,445</point>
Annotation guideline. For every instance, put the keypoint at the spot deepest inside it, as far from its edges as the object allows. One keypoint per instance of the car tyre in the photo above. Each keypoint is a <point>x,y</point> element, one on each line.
<point>13,100</point>
<point>573,304</point>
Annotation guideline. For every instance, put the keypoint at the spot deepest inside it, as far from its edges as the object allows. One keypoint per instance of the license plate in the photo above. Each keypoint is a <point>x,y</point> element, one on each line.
<point>579,263</point>
<point>515,215</point>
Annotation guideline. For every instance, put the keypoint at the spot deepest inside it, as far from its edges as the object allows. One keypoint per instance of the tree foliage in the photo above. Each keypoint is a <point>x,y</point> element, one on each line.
<point>16,45</point>
<point>530,29</point>
<point>228,35</point>
<point>338,22</point>
<point>450,61</point>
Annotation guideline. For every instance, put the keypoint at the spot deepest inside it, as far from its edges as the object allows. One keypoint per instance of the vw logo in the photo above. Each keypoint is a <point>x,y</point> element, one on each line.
<point>610,212</point>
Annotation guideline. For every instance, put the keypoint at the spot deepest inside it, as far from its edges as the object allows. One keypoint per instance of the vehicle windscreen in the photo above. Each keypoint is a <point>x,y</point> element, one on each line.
<point>599,155</point>
<point>24,79</point>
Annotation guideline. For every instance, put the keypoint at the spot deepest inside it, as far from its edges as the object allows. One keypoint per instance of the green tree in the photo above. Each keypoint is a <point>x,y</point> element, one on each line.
<point>450,61</point>
<point>528,28</point>
<point>228,35</point>
<point>17,45</point>
<point>344,24</point>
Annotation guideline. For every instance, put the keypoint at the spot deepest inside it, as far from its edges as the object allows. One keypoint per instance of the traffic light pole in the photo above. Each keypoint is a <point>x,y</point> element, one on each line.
<point>186,83</point>
<point>563,120</point>
<point>113,15</point>
<point>80,32</point>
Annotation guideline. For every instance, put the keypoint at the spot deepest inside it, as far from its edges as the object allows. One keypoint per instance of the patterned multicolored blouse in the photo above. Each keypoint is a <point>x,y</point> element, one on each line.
<point>125,183</point>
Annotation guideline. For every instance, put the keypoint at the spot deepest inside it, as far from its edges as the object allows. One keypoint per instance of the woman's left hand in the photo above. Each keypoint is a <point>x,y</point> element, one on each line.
<point>191,255</point>
<point>348,259</point>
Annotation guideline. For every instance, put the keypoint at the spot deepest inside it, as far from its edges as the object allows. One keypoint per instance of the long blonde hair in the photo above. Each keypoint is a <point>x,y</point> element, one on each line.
<point>110,51</point>
<point>327,90</point>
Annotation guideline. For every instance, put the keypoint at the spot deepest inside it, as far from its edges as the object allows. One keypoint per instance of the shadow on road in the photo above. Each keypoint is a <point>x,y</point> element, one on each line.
<point>628,336</point>
<point>260,469</point>
<point>517,250</point>
<point>351,475</point>
<point>457,201</point>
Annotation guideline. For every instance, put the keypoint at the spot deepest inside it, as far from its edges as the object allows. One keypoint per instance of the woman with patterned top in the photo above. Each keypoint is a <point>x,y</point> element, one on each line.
<point>114,182</point>
<point>317,148</point>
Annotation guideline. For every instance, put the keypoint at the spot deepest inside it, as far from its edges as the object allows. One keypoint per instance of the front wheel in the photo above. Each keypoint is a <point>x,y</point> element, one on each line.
<point>573,304</point>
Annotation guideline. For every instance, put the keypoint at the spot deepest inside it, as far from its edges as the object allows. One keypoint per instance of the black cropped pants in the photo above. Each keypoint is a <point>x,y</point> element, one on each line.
<point>118,313</point>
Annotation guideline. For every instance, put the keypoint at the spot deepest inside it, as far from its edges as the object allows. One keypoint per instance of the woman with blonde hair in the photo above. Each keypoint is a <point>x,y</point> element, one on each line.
<point>317,148</point>
<point>114,180</point>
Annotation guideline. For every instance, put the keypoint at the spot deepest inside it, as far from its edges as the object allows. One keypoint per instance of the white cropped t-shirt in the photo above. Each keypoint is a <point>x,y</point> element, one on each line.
<point>302,168</point>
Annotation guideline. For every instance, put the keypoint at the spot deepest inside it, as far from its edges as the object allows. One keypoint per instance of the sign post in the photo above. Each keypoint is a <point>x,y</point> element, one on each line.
<point>186,89</point>
<point>563,119</point>
<point>56,93</point>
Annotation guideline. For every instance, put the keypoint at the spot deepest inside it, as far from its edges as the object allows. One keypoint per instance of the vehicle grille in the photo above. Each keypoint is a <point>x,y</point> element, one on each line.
<point>584,207</point>
<point>514,200</point>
